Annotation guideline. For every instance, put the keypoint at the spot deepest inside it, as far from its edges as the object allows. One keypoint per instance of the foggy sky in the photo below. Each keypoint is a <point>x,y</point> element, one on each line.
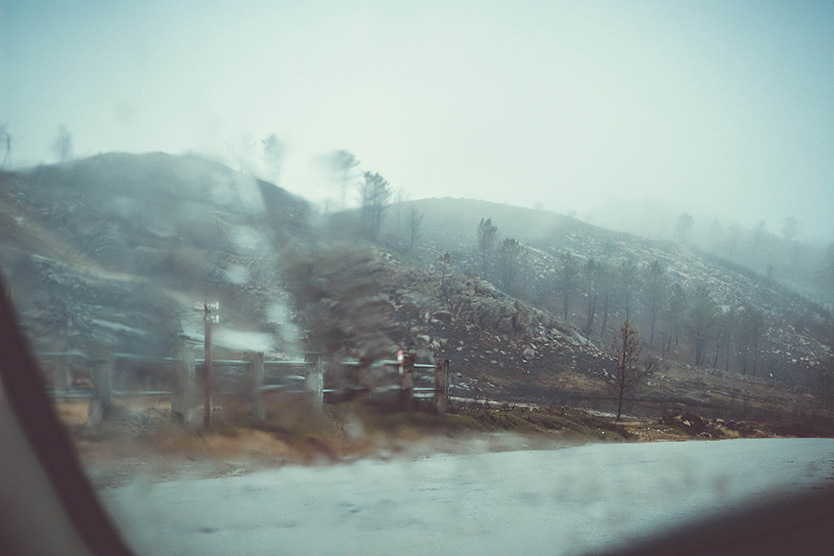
<point>716,108</point>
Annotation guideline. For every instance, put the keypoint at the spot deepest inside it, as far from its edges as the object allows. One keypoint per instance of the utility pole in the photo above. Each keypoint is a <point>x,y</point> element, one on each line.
<point>209,319</point>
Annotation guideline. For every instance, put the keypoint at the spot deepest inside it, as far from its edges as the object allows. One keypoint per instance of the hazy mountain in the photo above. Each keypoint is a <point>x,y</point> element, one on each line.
<point>121,251</point>
<point>794,345</point>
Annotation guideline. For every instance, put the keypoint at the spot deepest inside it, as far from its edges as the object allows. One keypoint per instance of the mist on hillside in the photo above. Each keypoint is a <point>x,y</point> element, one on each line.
<point>625,115</point>
<point>360,241</point>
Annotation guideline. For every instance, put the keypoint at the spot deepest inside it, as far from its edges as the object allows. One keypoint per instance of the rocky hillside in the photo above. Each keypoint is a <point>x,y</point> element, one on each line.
<point>793,340</point>
<point>120,252</point>
<point>123,250</point>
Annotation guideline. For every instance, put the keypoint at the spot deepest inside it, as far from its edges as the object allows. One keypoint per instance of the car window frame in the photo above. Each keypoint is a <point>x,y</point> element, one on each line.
<point>25,390</point>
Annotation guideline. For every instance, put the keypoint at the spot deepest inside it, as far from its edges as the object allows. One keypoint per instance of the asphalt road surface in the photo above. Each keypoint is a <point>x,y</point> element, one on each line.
<point>567,501</point>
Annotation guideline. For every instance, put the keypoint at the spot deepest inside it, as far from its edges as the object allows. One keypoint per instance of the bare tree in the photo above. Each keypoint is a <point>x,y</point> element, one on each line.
<point>726,325</point>
<point>628,374</point>
<point>673,315</point>
<point>760,238</point>
<point>684,226</point>
<point>701,319</point>
<point>415,226</point>
<point>751,328</point>
<point>337,292</point>
<point>790,229</point>
<point>342,163</point>
<point>592,272</point>
<point>241,149</point>
<point>509,260</point>
<point>486,237</point>
<point>62,146</point>
<point>274,151</point>
<point>445,262</point>
<point>654,286</point>
<point>400,197</point>
<point>627,277</point>
<point>376,193</point>
<point>568,275</point>
<point>605,287</point>
<point>525,267</point>
<point>825,390</point>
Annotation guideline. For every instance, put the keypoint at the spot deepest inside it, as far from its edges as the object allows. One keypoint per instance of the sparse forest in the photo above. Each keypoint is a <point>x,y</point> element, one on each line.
<point>692,308</point>
<point>417,277</point>
<point>533,282</point>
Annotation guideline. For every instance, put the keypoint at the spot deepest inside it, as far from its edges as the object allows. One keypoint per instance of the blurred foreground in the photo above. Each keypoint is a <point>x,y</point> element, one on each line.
<point>568,501</point>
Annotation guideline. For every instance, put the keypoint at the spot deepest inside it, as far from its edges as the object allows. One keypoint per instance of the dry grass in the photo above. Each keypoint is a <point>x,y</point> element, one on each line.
<point>72,413</point>
<point>142,437</point>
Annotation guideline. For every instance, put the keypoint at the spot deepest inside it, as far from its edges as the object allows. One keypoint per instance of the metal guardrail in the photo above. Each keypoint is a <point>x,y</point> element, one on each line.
<point>78,393</point>
<point>100,372</point>
<point>82,393</point>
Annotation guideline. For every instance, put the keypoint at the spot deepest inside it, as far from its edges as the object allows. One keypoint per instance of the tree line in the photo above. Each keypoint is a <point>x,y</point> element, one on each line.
<point>590,292</point>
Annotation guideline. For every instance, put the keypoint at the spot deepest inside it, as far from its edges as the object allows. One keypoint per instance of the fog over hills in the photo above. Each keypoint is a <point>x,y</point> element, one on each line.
<point>124,249</point>
<point>795,325</point>
<point>119,252</point>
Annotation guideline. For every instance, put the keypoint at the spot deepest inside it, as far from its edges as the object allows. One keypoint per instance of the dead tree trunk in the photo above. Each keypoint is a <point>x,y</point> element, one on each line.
<point>101,375</point>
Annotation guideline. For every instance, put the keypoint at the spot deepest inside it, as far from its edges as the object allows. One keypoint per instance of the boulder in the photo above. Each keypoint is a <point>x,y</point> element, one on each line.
<point>443,316</point>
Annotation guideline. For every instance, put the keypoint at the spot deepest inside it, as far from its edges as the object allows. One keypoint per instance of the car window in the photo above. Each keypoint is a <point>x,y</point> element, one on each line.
<point>466,277</point>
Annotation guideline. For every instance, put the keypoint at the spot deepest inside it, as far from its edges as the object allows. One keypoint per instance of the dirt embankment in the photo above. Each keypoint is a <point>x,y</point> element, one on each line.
<point>148,443</point>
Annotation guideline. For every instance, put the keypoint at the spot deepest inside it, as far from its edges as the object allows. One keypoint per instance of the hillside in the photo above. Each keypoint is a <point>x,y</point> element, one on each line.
<point>123,250</point>
<point>119,252</point>
<point>794,342</point>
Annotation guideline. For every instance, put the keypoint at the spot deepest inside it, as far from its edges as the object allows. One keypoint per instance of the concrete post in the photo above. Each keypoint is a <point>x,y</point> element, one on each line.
<point>314,379</point>
<point>184,400</point>
<point>208,378</point>
<point>61,376</point>
<point>101,375</point>
<point>62,368</point>
<point>441,387</point>
<point>256,380</point>
<point>407,381</point>
<point>365,377</point>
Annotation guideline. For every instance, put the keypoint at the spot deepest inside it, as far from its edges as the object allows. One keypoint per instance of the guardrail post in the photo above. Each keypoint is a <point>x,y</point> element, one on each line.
<point>256,380</point>
<point>407,381</point>
<point>101,375</point>
<point>365,377</point>
<point>314,379</point>
<point>185,393</point>
<point>441,387</point>
<point>61,374</point>
<point>207,366</point>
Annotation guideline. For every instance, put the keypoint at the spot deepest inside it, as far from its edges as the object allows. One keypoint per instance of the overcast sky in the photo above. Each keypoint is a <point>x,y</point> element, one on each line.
<point>721,108</point>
